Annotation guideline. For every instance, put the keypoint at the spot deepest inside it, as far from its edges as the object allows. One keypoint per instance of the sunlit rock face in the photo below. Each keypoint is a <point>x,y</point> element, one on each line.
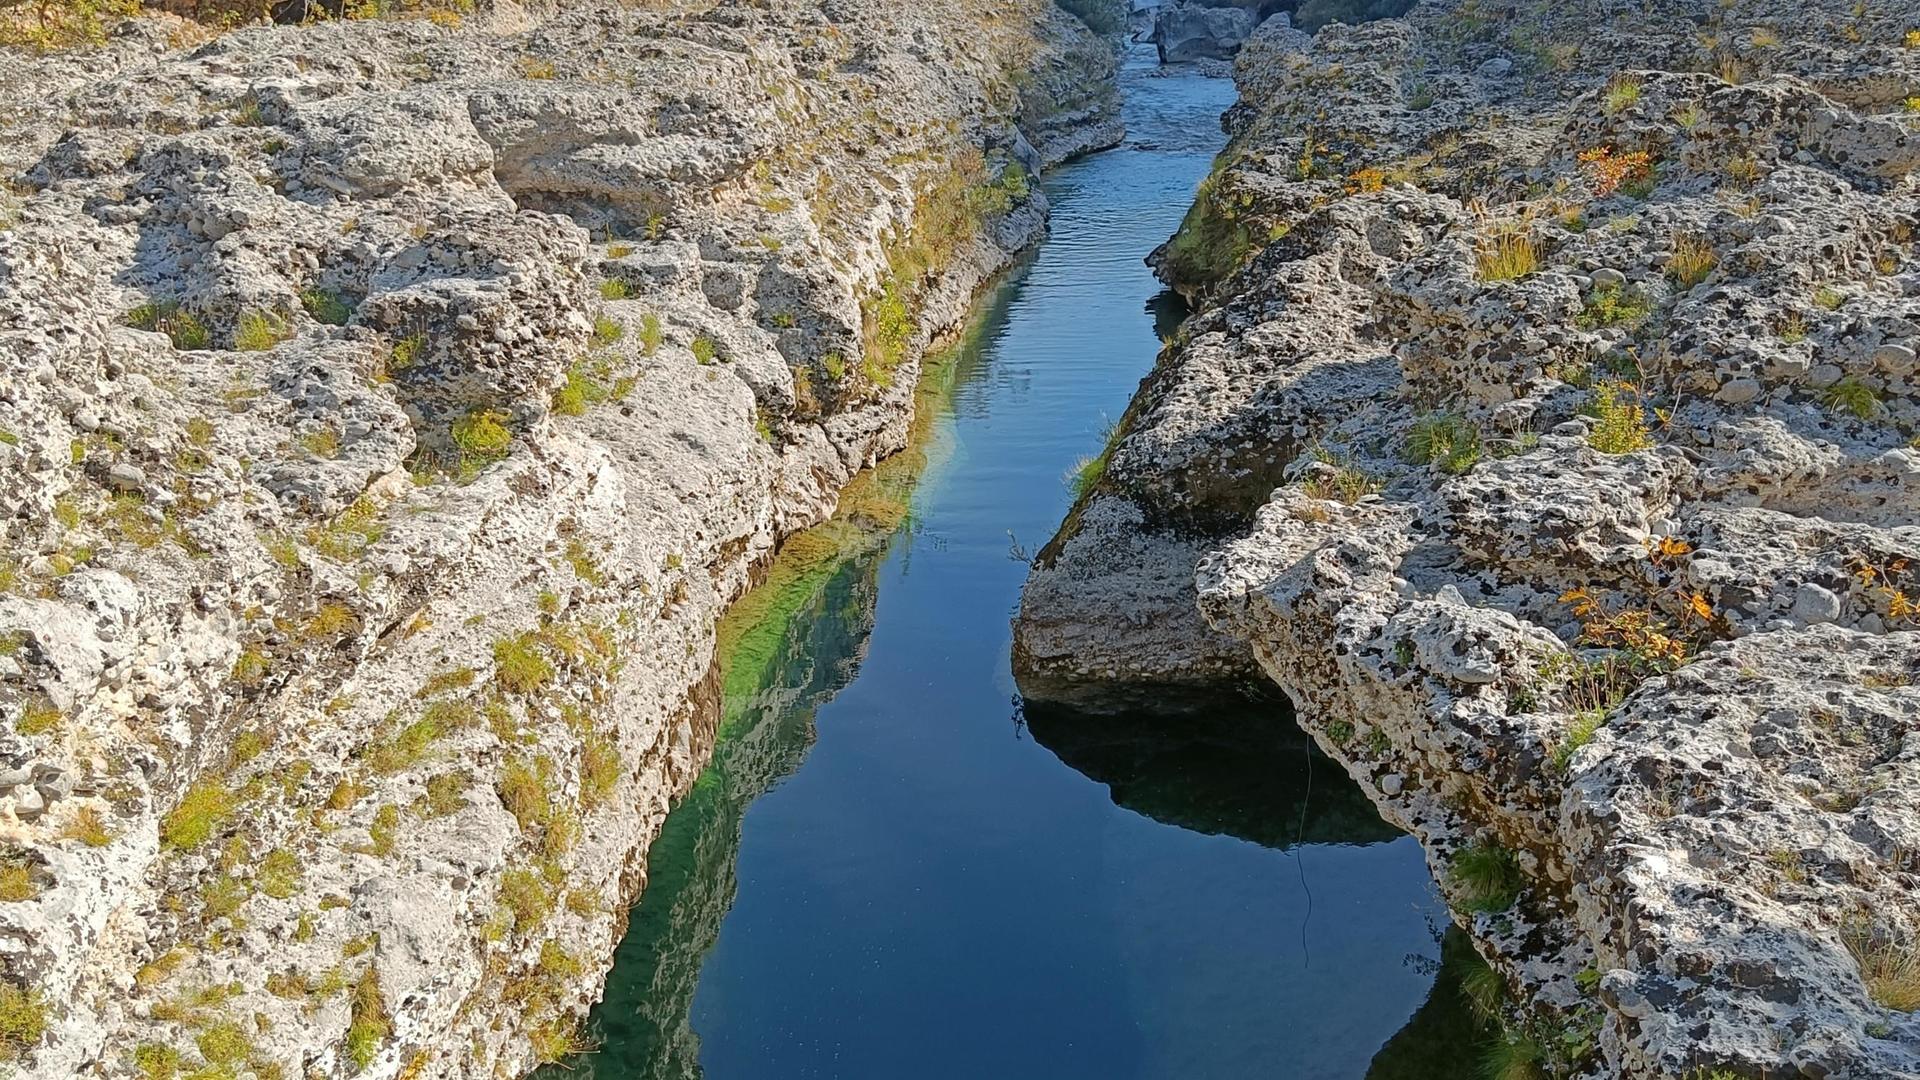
<point>388,409</point>
<point>1546,434</point>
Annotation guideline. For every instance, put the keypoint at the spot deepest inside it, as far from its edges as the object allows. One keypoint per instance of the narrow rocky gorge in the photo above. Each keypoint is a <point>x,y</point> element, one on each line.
<point>1546,433</point>
<point>389,408</point>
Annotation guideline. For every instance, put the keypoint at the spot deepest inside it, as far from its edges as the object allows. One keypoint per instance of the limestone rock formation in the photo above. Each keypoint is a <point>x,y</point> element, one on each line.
<point>1185,31</point>
<point>387,410</point>
<point>1547,434</point>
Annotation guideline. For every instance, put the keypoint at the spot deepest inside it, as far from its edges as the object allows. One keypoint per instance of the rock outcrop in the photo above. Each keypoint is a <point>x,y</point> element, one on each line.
<point>1547,434</point>
<point>388,409</point>
<point>1186,31</point>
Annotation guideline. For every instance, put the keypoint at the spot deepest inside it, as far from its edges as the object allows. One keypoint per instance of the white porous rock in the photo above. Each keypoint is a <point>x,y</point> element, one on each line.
<point>389,409</point>
<point>1606,562</point>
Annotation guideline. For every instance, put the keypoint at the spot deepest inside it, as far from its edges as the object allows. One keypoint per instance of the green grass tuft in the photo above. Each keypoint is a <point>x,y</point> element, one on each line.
<point>201,811</point>
<point>519,665</point>
<point>258,331</point>
<point>182,327</point>
<point>370,1024</point>
<point>326,306</point>
<point>1488,877</point>
<point>1089,471</point>
<point>23,1020</point>
<point>1445,440</point>
<point>1853,397</point>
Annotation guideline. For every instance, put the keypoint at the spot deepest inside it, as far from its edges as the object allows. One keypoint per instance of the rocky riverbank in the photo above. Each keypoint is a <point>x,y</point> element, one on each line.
<point>1546,433</point>
<point>388,410</point>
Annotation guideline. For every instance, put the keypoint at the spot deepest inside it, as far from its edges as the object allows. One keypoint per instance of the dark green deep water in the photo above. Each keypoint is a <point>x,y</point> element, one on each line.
<point>893,871</point>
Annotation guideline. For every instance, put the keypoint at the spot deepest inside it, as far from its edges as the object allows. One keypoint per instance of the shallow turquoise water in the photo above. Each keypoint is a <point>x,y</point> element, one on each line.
<point>892,871</point>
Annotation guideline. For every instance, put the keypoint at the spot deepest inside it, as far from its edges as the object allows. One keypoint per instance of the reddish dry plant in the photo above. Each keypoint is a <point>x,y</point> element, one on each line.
<point>1609,170</point>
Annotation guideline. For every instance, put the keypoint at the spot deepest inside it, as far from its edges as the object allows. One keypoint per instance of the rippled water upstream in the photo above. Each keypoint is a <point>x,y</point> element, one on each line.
<point>892,870</point>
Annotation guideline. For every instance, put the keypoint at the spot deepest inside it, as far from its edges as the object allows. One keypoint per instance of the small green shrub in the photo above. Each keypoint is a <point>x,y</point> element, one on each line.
<point>1620,421</point>
<point>580,391</point>
<point>1614,306</point>
<point>407,352</point>
<point>482,436</point>
<point>529,897</point>
<point>280,874</point>
<point>384,832</point>
<point>704,350</point>
<point>156,1061</point>
<point>615,289</point>
<point>447,793</point>
<point>606,331</point>
<point>251,667</point>
<point>585,566</point>
<point>651,335</point>
<point>224,1043</point>
<point>324,443</point>
<point>222,896</point>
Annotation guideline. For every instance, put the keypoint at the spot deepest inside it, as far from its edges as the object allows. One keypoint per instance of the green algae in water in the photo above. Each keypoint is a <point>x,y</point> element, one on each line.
<point>798,634</point>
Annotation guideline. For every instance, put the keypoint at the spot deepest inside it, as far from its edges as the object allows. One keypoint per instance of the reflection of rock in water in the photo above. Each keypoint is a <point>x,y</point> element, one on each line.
<point>1169,309</point>
<point>1442,1041</point>
<point>1233,765</point>
<point>644,1020</point>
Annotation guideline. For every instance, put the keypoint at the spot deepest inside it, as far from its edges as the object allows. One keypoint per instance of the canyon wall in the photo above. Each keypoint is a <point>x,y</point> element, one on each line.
<point>388,410</point>
<point>1546,432</point>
